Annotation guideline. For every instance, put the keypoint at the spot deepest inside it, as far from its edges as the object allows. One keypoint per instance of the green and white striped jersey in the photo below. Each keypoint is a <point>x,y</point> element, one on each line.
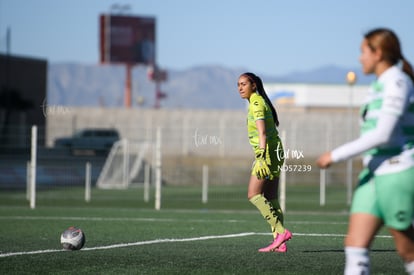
<point>387,125</point>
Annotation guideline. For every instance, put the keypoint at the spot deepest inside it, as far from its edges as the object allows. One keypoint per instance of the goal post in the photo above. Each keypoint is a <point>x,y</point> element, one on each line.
<point>123,165</point>
<point>33,167</point>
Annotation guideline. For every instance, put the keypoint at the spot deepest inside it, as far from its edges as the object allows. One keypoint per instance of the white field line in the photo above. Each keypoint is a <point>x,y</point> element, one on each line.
<point>150,219</point>
<point>252,211</point>
<point>3,255</point>
<point>84,218</point>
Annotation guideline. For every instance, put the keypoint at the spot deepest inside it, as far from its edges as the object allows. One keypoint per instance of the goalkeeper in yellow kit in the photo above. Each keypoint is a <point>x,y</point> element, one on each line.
<point>262,122</point>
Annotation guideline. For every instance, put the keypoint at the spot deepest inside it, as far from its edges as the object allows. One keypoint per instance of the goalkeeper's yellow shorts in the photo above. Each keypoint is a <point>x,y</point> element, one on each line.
<point>275,157</point>
<point>390,197</point>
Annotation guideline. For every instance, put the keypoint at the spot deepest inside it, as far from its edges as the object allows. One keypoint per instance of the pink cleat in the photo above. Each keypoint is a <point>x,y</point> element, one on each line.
<point>282,238</point>
<point>281,249</point>
<point>277,242</point>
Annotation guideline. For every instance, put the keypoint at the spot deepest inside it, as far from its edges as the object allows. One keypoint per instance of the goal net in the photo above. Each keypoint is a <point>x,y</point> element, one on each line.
<point>124,165</point>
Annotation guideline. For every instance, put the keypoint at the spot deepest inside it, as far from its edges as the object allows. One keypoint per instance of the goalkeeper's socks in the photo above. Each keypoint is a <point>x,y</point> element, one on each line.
<point>279,225</point>
<point>267,211</point>
<point>409,267</point>
<point>356,261</point>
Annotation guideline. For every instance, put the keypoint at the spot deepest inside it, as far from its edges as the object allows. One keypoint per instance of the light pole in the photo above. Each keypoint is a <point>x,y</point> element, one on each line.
<point>351,79</point>
<point>157,75</point>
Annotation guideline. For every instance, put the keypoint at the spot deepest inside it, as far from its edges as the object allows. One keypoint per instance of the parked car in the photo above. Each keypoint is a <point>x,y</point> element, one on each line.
<point>89,139</point>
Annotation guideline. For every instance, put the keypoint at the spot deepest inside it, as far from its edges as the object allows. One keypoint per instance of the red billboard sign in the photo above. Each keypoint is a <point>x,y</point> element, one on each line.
<point>127,39</point>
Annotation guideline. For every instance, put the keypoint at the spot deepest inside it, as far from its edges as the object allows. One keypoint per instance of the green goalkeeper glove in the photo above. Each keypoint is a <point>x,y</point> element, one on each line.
<point>260,167</point>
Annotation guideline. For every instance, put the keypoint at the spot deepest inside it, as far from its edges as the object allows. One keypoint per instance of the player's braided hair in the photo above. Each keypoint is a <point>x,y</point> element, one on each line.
<point>260,89</point>
<point>388,42</point>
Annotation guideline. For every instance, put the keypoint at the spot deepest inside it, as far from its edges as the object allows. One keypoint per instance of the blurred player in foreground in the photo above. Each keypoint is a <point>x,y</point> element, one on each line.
<point>263,187</point>
<point>385,193</point>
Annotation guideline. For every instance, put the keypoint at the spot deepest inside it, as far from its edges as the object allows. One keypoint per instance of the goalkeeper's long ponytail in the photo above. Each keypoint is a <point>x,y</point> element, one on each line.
<point>260,89</point>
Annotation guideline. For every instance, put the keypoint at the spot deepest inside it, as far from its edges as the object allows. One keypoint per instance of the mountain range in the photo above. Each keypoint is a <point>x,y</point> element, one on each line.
<point>205,87</point>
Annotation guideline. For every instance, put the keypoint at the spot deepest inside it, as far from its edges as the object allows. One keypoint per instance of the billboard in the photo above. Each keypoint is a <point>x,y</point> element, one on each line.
<point>127,39</point>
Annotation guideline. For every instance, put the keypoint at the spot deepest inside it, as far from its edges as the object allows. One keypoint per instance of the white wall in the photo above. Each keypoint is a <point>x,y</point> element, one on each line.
<point>316,95</point>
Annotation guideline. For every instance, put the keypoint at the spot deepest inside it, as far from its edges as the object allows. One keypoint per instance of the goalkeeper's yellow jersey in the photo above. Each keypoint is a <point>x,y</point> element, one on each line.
<point>258,109</point>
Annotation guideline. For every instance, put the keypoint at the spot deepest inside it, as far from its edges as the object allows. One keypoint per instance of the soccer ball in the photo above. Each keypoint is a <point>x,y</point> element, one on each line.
<point>72,238</point>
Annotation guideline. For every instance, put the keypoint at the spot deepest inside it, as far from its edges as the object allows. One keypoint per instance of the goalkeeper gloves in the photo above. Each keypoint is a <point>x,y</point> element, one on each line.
<point>260,167</point>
